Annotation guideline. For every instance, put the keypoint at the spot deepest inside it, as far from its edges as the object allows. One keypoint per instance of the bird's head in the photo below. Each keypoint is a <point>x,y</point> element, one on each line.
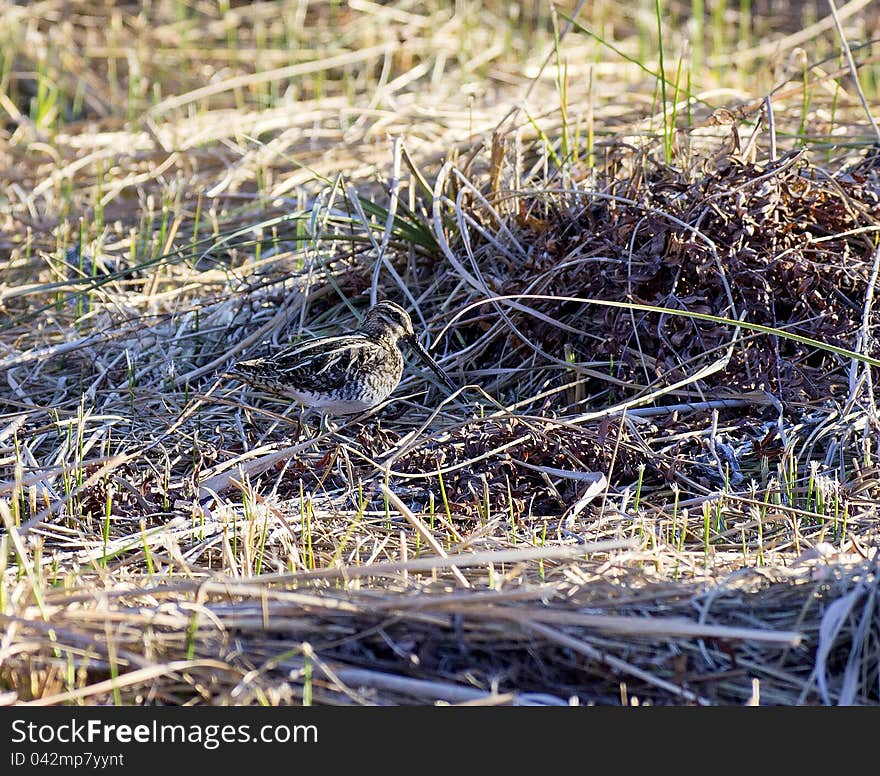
<point>387,320</point>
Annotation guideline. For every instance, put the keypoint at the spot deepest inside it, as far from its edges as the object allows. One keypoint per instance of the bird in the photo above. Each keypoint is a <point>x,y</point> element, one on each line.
<point>346,374</point>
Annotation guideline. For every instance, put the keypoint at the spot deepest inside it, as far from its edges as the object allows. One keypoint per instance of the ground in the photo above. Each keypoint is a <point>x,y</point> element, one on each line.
<point>645,247</point>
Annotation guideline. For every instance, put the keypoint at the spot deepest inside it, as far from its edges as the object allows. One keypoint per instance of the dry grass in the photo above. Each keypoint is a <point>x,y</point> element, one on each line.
<point>631,499</point>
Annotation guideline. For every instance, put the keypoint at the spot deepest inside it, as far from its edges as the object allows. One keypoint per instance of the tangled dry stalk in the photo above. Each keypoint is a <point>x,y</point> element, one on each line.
<point>658,481</point>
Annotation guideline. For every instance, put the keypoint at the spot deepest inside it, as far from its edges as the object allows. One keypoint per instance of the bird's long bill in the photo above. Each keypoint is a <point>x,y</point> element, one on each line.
<point>435,367</point>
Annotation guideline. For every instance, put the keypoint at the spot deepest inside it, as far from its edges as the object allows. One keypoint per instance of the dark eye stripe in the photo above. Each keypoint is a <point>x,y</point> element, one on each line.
<point>392,314</point>
<point>392,320</point>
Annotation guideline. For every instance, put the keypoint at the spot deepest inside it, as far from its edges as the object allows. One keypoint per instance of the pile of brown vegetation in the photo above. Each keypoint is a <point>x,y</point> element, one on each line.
<point>782,243</point>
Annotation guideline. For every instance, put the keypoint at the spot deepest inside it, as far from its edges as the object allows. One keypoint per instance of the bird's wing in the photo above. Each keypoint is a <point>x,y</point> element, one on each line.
<point>318,364</point>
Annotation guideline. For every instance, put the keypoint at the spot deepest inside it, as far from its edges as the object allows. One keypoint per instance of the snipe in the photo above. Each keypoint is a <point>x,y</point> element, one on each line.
<point>344,374</point>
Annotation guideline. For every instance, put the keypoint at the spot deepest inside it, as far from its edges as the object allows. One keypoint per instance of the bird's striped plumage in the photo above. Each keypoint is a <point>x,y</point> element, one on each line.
<point>343,374</point>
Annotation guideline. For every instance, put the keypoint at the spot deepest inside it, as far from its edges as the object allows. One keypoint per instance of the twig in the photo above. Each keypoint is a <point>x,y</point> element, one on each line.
<point>854,71</point>
<point>615,662</point>
<point>422,530</point>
